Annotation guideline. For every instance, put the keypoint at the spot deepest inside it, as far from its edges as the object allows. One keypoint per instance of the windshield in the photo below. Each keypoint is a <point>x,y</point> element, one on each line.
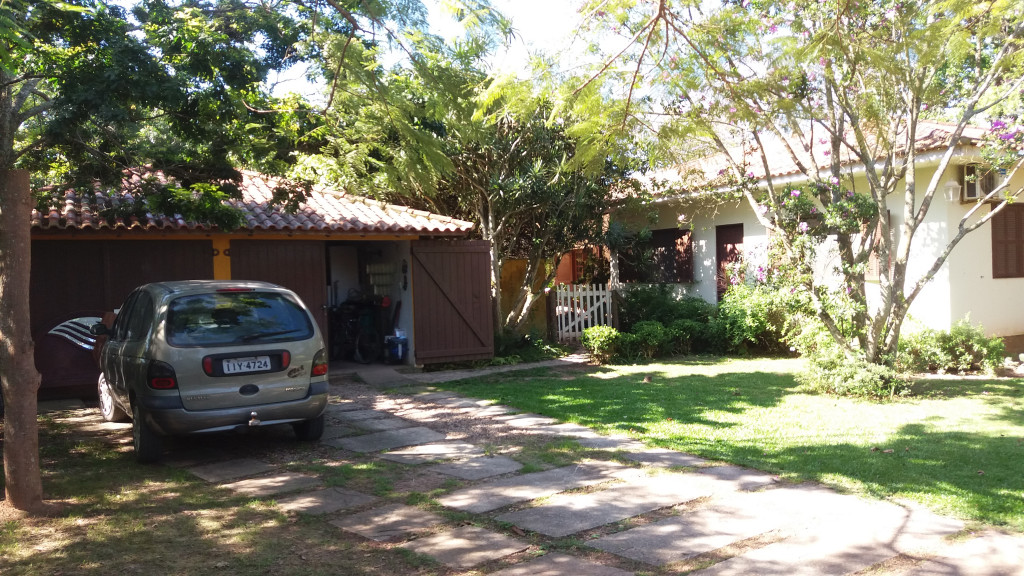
<point>226,318</point>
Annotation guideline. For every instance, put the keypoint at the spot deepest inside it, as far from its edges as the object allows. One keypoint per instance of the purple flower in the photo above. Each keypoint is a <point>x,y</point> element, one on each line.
<point>998,125</point>
<point>803,227</point>
<point>834,180</point>
<point>795,193</point>
<point>1008,135</point>
<point>773,28</point>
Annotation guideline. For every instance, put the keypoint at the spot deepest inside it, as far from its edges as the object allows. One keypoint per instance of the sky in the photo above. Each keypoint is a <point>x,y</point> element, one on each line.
<point>540,25</point>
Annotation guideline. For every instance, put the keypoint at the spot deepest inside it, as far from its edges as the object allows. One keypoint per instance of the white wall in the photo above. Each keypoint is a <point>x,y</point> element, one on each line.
<point>995,303</point>
<point>963,286</point>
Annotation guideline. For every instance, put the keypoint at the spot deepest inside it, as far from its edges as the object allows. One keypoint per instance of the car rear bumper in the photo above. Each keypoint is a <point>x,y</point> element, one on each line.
<point>167,416</point>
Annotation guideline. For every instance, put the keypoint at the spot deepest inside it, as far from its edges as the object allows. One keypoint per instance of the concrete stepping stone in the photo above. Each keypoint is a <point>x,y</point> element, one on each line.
<point>333,431</point>
<point>382,424</point>
<point>432,452</point>
<point>990,554</point>
<point>324,501</point>
<point>490,411</point>
<point>693,533</point>
<point>466,546</point>
<point>558,564</point>
<point>363,414</point>
<point>389,439</point>
<point>526,420</point>
<point>478,468</point>
<point>832,534</point>
<point>566,514</point>
<point>740,478</point>
<point>388,523</point>
<point>567,429</point>
<point>383,376</point>
<point>277,484</point>
<point>344,406</point>
<point>611,443</point>
<point>461,403</point>
<point>665,457</point>
<point>435,396</point>
<point>495,494</point>
<point>217,472</point>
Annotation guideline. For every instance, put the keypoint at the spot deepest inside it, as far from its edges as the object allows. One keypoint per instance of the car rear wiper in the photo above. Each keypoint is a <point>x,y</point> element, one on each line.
<point>271,334</point>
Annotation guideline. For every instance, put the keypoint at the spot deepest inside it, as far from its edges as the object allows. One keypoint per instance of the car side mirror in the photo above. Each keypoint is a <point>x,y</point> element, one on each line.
<point>99,329</point>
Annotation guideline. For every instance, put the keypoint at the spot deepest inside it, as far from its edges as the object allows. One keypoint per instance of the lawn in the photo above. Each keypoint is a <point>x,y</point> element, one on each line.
<point>957,446</point>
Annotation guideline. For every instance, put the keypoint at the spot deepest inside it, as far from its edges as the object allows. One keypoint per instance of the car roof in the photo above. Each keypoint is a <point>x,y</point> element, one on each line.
<point>179,287</point>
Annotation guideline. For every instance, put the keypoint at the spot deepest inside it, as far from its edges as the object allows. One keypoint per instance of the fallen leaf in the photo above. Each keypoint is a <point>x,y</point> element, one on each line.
<point>874,448</point>
<point>889,451</point>
<point>519,531</point>
<point>981,472</point>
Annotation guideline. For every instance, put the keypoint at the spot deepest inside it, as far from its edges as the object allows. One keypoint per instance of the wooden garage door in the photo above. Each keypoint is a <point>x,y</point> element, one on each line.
<point>452,311</point>
<point>85,278</point>
<point>299,266</point>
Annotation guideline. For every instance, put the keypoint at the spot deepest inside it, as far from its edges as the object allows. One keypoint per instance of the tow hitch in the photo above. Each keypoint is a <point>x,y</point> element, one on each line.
<point>253,419</point>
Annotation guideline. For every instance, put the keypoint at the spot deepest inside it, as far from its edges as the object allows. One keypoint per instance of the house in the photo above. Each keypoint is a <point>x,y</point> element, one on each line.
<point>417,269</point>
<point>982,280</point>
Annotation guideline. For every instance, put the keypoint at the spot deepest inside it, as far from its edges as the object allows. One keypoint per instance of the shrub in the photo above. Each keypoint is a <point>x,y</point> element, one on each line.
<point>661,304</point>
<point>601,342</point>
<point>652,339</point>
<point>964,348</point>
<point>758,317</point>
<point>682,334</point>
<point>831,371</point>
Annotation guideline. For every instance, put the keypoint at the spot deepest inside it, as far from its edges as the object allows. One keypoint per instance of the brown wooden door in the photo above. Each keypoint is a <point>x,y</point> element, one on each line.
<point>728,249</point>
<point>452,310</point>
<point>298,265</point>
<point>86,278</point>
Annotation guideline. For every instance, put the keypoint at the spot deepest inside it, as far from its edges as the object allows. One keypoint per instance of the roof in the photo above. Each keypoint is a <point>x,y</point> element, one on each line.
<point>931,136</point>
<point>323,211</point>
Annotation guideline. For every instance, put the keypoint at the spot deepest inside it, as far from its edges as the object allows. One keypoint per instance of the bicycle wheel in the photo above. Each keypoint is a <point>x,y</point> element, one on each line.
<point>368,348</point>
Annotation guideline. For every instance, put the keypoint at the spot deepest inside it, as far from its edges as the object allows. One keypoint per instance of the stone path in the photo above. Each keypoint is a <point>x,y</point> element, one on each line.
<point>652,510</point>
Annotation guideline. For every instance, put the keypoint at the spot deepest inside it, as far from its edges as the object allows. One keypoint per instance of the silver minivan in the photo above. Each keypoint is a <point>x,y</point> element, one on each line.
<point>201,356</point>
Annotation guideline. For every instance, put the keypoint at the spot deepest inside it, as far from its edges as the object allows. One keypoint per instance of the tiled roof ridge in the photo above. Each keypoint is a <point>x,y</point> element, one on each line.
<point>324,210</point>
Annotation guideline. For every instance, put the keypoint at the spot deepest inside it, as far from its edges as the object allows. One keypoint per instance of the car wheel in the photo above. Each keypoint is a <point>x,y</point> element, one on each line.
<point>309,430</point>
<point>148,444</point>
<point>109,409</point>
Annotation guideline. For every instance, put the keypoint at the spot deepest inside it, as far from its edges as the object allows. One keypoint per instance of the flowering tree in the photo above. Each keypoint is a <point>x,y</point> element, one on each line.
<point>812,88</point>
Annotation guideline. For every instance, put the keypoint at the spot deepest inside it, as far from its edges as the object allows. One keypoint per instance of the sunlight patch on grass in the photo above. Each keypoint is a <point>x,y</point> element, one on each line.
<point>958,448</point>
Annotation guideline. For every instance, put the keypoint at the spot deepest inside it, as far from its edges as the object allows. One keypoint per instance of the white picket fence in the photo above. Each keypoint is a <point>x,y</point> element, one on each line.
<point>578,307</point>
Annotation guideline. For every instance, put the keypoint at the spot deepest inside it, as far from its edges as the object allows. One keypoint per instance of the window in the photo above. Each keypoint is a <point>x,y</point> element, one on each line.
<point>235,318</point>
<point>976,181</point>
<point>1008,242</point>
<point>668,258</point>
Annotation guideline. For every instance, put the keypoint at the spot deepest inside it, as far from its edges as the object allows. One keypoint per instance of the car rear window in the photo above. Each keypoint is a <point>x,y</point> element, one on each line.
<point>228,318</point>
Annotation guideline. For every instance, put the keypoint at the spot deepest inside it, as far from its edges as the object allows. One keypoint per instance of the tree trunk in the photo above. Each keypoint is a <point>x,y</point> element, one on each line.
<point>18,376</point>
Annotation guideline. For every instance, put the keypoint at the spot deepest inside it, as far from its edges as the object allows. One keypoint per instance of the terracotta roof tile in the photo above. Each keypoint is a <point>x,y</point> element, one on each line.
<point>323,211</point>
<point>931,136</point>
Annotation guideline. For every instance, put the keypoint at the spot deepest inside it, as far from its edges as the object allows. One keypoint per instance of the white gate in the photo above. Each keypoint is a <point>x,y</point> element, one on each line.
<point>578,307</point>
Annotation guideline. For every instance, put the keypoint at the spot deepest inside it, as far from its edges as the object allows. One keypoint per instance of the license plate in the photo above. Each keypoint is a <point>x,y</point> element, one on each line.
<point>243,365</point>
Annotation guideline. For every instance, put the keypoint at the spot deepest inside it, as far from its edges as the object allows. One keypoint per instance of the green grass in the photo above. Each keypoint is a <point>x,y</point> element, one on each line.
<point>957,446</point>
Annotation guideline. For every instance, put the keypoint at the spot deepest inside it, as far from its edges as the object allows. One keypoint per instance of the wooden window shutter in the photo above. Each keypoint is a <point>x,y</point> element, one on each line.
<point>1008,242</point>
<point>673,255</point>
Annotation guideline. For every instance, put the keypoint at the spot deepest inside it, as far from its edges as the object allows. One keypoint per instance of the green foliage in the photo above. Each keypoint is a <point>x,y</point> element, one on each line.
<point>760,317</point>
<point>660,303</point>
<point>831,371</point>
<point>964,348</point>
<point>601,342</point>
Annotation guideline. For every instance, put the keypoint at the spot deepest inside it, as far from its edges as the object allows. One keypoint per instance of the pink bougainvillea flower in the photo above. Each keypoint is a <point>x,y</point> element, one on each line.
<point>795,193</point>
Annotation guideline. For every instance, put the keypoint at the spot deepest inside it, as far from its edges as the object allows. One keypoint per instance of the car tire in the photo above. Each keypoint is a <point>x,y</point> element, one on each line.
<point>309,430</point>
<point>148,444</point>
<point>109,409</point>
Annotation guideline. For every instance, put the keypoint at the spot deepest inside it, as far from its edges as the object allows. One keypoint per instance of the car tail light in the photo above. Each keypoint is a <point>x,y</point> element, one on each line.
<point>286,359</point>
<point>161,376</point>
<point>208,366</point>
<point>320,363</point>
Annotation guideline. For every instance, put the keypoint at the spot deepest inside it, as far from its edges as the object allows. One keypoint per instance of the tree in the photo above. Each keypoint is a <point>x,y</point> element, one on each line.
<point>825,82</point>
<point>87,93</point>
